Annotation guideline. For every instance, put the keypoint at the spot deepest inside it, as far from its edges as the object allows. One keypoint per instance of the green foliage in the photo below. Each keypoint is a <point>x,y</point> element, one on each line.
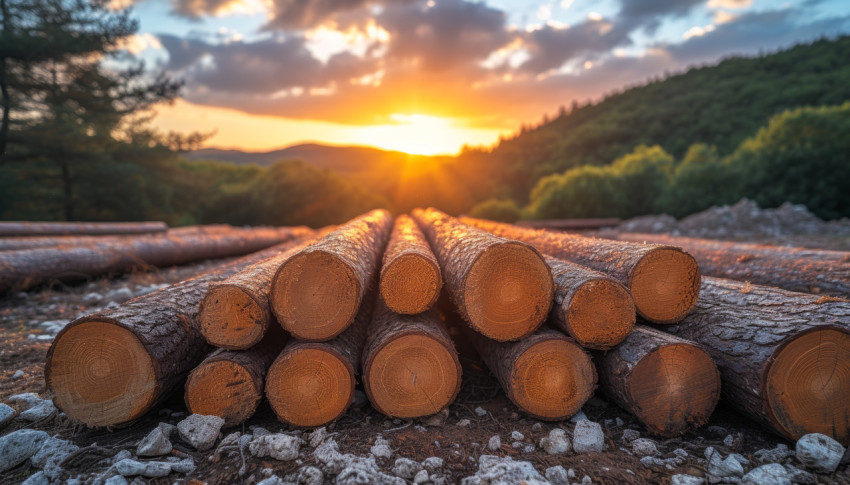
<point>703,179</point>
<point>503,210</point>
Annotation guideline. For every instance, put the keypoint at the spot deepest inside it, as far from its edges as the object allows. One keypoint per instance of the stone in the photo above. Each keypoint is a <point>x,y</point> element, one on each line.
<point>556,443</point>
<point>279,446</point>
<point>775,455</point>
<point>310,475</point>
<point>537,427</point>
<point>588,437</point>
<point>433,464</point>
<point>800,476</point>
<point>381,448</point>
<point>167,429</point>
<point>503,470</point>
<point>464,423</point>
<point>722,468</point>
<point>437,419</point>
<point>51,455</point>
<point>18,374</point>
<point>680,453</point>
<point>495,443</point>
<point>25,400</point>
<point>630,435</point>
<point>729,441</point>
<point>516,435</point>
<point>272,480</point>
<point>154,444</point>
<point>121,455</point>
<point>557,475</point>
<point>18,446</point>
<point>200,431</point>
<point>317,436</point>
<point>575,418</point>
<point>480,412</point>
<point>151,469</point>
<point>819,453</point>
<point>586,480</point>
<point>7,414</point>
<point>186,465</point>
<point>770,474</point>
<point>421,477</point>
<point>686,480</point>
<point>360,470</point>
<point>115,480</point>
<point>41,410</point>
<point>406,468</point>
<point>644,447</point>
<point>38,478</point>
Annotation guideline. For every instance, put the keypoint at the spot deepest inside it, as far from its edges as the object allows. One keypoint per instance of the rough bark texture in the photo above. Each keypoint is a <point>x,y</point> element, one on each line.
<point>620,260</point>
<point>569,278</point>
<point>34,242</point>
<point>795,269</point>
<point>27,268</point>
<point>745,327</point>
<point>458,248</point>
<point>388,326</point>
<point>409,289</point>
<point>225,394</point>
<point>14,228</point>
<point>672,396</point>
<point>165,323</point>
<point>302,296</point>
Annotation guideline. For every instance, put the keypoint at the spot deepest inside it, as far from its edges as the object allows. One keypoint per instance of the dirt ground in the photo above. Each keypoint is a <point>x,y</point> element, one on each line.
<point>25,340</point>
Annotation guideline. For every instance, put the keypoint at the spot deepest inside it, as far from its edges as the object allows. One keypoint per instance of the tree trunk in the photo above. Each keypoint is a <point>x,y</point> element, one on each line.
<point>784,357</point>
<point>410,276</point>
<point>663,280</point>
<point>9,229</point>
<point>670,384</point>
<point>312,383</point>
<point>794,269</point>
<point>315,294</point>
<point>502,288</point>
<point>593,308</point>
<point>229,383</point>
<point>26,268</point>
<point>411,368</point>
<point>547,374</point>
<point>15,243</point>
<point>109,368</point>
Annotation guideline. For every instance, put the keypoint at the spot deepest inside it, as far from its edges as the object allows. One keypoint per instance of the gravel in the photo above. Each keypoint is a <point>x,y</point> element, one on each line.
<point>279,446</point>
<point>7,414</point>
<point>156,443</point>
<point>200,431</point>
<point>588,437</point>
<point>494,470</point>
<point>686,480</point>
<point>644,447</point>
<point>557,475</point>
<point>433,464</point>
<point>18,446</point>
<point>406,468</point>
<point>819,452</point>
<point>381,448</point>
<point>480,412</point>
<point>770,474</point>
<point>151,469</point>
<point>495,443</point>
<point>556,443</point>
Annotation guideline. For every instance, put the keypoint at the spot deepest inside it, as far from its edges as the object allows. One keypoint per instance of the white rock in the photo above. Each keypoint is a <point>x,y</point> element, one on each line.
<point>537,427</point>
<point>800,476</point>
<point>557,475</point>
<point>578,417</point>
<point>516,435</point>
<point>115,480</point>
<point>433,464</point>
<point>186,465</point>
<point>328,455</point>
<point>680,453</point>
<point>92,297</point>
<point>770,474</point>
<point>556,443</point>
<point>151,469</point>
<point>381,448</point>
<point>586,480</point>
<point>154,444</point>
<point>364,470</point>
<point>121,455</point>
<point>495,443</point>
<point>686,480</point>
<point>819,452</point>
<point>498,470</point>
<point>775,455</point>
<point>728,441</point>
<point>309,475</point>
<point>17,446</point>
<point>317,436</point>
<point>200,431</point>
<point>463,423</point>
<point>588,437</point>
<point>278,446</point>
<point>38,478</point>
<point>480,412</point>
<point>51,454</point>
<point>120,294</point>
<point>18,374</point>
<point>43,409</point>
<point>168,429</point>
<point>719,467</point>
<point>25,400</point>
<point>644,447</point>
<point>630,435</point>
<point>437,419</point>
<point>406,468</point>
<point>7,413</point>
<point>421,477</point>
<point>272,480</point>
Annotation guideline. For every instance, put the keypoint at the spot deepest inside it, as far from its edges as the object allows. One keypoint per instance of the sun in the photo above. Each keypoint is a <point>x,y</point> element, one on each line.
<point>419,134</point>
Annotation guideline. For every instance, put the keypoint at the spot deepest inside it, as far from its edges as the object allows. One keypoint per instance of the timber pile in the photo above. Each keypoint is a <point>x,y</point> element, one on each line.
<point>12,228</point>
<point>551,315</point>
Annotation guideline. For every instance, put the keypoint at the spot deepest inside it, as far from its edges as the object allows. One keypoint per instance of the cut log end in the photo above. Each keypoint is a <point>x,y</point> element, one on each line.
<point>808,385</point>
<point>413,375</point>
<point>410,284</point>
<point>600,314</point>
<point>225,389</point>
<point>675,388</point>
<point>553,379</point>
<point>230,318</point>
<point>665,285</point>
<point>508,291</point>
<point>309,386</point>
<point>101,374</point>
<point>315,296</point>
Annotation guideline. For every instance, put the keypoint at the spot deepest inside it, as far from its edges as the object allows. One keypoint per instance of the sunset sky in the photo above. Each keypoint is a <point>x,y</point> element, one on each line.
<point>429,76</point>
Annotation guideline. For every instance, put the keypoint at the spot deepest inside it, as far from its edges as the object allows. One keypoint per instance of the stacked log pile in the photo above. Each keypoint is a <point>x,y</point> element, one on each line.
<point>551,315</point>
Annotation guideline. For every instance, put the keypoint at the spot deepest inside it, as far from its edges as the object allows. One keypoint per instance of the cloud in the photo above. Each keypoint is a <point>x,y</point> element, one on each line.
<point>550,47</point>
<point>195,9</point>
<point>648,14</point>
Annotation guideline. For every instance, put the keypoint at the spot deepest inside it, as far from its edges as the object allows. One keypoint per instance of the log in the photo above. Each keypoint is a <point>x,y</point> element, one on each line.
<point>24,228</point>
<point>570,224</point>
<point>312,383</point>
<point>502,288</point>
<point>591,307</point>
<point>230,383</point>
<point>410,275</point>
<point>546,375</point>
<point>34,242</point>
<point>663,280</point>
<point>315,294</point>
<point>26,268</point>
<point>110,367</point>
<point>235,313</point>
<point>784,357</point>
<point>411,368</point>
<point>795,269</point>
<point>670,384</point>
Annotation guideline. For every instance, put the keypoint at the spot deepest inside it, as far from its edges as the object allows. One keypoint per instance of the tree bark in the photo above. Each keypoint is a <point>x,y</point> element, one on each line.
<point>26,268</point>
<point>794,269</point>
<point>315,294</point>
<point>663,280</point>
<point>670,384</point>
<point>547,375</point>
<point>591,307</point>
<point>229,383</point>
<point>109,368</point>
<point>784,357</point>
<point>411,368</point>
<point>14,243</point>
<point>502,288</point>
<point>16,229</point>
<point>410,275</point>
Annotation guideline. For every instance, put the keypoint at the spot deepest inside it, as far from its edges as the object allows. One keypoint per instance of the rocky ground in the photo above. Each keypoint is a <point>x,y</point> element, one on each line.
<point>480,439</point>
